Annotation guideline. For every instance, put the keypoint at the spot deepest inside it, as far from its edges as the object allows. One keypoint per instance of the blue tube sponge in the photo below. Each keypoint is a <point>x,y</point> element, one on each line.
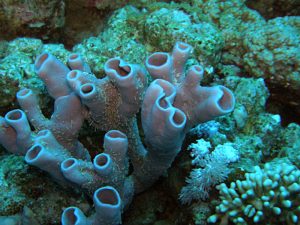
<point>53,72</point>
<point>15,132</point>
<point>108,207</point>
<point>113,100</point>
<point>200,104</point>
<point>64,123</point>
<point>47,154</point>
<point>108,168</point>
<point>172,104</point>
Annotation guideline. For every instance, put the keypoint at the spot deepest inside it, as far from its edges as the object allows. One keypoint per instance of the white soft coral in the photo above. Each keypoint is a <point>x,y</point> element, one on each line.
<point>212,169</point>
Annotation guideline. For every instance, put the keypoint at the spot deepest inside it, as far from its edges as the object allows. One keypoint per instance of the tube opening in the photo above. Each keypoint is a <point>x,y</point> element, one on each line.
<point>226,102</point>
<point>163,103</point>
<point>158,59</point>
<point>107,196</point>
<point>179,118</point>
<point>101,160</point>
<point>68,163</point>
<point>14,115</point>
<point>73,56</point>
<point>198,69</point>
<point>123,70</point>
<point>40,60</point>
<point>115,134</point>
<point>33,152</point>
<point>73,74</point>
<point>70,217</point>
<point>23,92</point>
<point>87,88</point>
<point>182,46</point>
<point>115,64</point>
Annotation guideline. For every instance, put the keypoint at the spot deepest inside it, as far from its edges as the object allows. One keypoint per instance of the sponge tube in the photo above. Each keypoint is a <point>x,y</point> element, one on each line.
<point>8,137</point>
<point>116,145</point>
<point>180,54</point>
<point>162,122</point>
<point>160,66</point>
<point>130,80</point>
<point>29,102</point>
<point>76,62</point>
<point>43,158</point>
<point>74,216</point>
<point>18,121</point>
<point>53,72</point>
<point>108,206</point>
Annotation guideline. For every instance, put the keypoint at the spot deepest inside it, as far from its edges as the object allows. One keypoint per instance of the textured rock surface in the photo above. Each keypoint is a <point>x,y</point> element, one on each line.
<point>24,186</point>
<point>273,52</point>
<point>275,8</point>
<point>38,18</point>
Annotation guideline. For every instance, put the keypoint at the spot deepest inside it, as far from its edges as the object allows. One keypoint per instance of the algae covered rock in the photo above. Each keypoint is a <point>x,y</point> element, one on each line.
<point>17,67</point>
<point>164,27</point>
<point>275,8</point>
<point>120,38</point>
<point>37,17</point>
<point>23,188</point>
<point>232,18</point>
<point>251,96</point>
<point>253,131</point>
<point>290,142</point>
<point>273,51</point>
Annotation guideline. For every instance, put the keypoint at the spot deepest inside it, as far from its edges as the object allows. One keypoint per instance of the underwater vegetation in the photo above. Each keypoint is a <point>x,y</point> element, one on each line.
<point>149,112</point>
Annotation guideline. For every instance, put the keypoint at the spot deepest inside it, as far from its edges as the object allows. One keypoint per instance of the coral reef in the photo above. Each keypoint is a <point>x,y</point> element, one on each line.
<point>17,70</point>
<point>119,38</point>
<point>25,191</point>
<point>272,51</point>
<point>270,195</point>
<point>226,36</point>
<point>163,27</point>
<point>258,136</point>
<point>99,99</point>
<point>249,38</point>
<point>170,106</point>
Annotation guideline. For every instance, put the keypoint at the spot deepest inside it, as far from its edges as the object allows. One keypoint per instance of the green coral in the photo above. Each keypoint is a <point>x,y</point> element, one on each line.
<point>268,49</point>
<point>14,68</point>
<point>28,46</point>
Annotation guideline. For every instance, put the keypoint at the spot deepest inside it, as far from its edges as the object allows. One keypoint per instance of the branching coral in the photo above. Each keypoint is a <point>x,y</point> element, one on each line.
<point>172,104</point>
<point>269,195</point>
